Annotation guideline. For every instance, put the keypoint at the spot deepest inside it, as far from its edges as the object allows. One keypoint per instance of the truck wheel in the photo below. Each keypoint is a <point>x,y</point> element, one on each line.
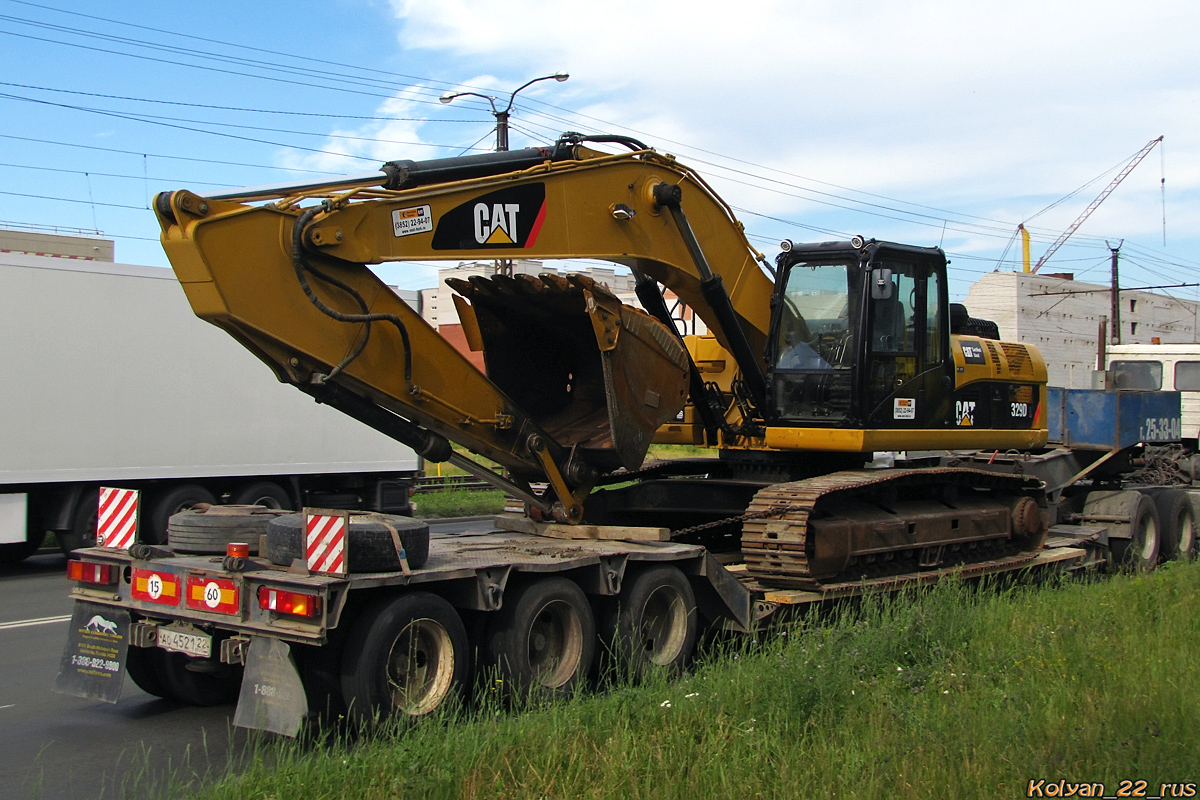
<point>263,493</point>
<point>369,546</point>
<point>1178,519</point>
<point>19,551</point>
<point>1189,538</point>
<point>82,532</point>
<point>215,684</point>
<point>210,530</point>
<point>166,505</point>
<point>653,623</point>
<point>1140,551</point>
<point>146,667</point>
<point>404,656</point>
<point>543,638</point>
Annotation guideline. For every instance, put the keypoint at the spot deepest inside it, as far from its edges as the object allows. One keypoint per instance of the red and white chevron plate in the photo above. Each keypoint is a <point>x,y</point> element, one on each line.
<point>325,542</point>
<point>116,524</point>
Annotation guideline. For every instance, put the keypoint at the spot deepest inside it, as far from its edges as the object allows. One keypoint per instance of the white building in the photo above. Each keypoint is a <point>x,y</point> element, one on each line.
<point>1062,317</point>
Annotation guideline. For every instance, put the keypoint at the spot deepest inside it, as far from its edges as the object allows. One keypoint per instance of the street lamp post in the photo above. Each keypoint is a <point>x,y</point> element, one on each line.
<point>504,266</point>
<point>502,116</point>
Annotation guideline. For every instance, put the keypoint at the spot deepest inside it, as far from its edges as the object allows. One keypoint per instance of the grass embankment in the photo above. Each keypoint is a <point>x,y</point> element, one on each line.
<point>947,693</point>
<point>458,503</point>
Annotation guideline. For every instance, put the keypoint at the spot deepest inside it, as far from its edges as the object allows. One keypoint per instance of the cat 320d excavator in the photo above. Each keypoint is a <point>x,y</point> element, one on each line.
<point>810,365</point>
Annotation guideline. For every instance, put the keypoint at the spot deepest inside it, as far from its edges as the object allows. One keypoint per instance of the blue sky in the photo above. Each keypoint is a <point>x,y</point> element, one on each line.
<point>928,122</point>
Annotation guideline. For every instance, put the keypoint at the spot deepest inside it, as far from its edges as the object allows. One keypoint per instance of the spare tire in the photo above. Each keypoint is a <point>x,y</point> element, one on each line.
<point>207,530</point>
<point>369,546</point>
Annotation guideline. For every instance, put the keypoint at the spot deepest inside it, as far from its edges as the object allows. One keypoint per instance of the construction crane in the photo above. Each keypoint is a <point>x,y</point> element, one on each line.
<point>1052,249</point>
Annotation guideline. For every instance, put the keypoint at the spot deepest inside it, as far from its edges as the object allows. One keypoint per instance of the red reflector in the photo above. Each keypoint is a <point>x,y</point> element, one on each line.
<point>153,586</point>
<point>285,602</point>
<point>212,594</point>
<point>87,572</point>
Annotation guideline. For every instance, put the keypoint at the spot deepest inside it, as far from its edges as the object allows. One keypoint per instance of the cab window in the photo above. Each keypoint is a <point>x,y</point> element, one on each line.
<point>1145,375</point>
<point>1187,376</point>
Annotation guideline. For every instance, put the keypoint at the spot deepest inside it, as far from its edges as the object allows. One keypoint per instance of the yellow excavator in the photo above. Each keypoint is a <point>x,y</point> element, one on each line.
<point>810,365</point>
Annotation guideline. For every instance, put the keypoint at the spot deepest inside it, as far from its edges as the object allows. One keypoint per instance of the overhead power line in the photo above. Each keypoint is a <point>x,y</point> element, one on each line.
<point>264,51</point>
<point>163,156</point>
<point>362,117</point>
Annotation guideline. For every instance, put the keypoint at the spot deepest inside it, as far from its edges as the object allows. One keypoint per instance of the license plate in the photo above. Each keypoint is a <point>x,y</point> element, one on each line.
<point>192,644</point>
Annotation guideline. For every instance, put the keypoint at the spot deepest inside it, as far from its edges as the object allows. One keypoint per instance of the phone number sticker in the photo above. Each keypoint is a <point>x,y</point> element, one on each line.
<point>1160,429</point>
<point>408,221</point>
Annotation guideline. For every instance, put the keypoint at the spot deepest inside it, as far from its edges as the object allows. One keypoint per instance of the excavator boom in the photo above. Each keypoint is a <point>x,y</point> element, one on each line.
<point>578,382</point>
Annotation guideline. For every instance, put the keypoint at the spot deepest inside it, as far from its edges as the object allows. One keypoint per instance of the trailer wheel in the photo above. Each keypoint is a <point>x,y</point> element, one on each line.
<point>166,505</point>
<point>200,682</point>
<point>653,623</point>
<point>263,493</point>
<point>82,532</point>
<point>543,638</point>
<point>1141,550</point>
<point>404,656</point>
<point>369,546</point>
<point>1178,520</point>
<point>146,667</point>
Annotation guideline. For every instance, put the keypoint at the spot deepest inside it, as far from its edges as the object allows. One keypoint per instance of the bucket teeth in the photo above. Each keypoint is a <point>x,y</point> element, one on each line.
<point>462,287</point>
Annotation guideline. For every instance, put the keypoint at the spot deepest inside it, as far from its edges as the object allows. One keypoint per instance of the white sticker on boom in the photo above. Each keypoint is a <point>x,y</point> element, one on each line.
<point>904,408</point>
<point>407,221</point>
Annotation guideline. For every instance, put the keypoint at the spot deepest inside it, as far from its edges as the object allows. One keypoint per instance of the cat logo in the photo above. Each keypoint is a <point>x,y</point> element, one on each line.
<point>972,353</point>
<point>497,225</point>
<point>964,413</point>
<point>506,219</point>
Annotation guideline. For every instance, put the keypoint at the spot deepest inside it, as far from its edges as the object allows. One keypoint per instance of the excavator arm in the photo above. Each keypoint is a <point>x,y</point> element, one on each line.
<point>577,382</point>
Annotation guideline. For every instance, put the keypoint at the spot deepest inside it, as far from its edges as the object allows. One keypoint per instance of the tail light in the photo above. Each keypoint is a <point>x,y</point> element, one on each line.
<point>89,572</point>
<point>281,601</point>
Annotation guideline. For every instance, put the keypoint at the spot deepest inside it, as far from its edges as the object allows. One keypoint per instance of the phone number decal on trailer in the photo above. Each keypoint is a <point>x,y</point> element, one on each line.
<point>1161,429</point>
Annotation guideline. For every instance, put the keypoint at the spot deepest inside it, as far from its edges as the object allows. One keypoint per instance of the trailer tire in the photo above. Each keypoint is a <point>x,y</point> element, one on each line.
<point>1140,551</point>
<point>146,667</point>
<point>209,530</point>
<point>1178,519</point>
<point>652,624</point>
<point>543,639</point>
<point>405,656</point>
<point>166,505</point>
<point>369,546</point>
<point>82,532</point>
<point>219,687</point>
<point>263,493</point>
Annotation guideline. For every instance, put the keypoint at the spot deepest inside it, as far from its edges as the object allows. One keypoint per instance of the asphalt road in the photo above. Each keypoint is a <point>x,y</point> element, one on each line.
<point>54,747</point>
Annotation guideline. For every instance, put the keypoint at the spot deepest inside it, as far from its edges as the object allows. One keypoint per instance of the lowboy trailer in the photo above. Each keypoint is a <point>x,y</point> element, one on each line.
<point>408,626</point>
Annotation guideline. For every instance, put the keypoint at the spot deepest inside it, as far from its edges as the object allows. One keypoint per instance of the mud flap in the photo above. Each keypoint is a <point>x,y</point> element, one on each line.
<point>272,697</point>
<point>93,662</point>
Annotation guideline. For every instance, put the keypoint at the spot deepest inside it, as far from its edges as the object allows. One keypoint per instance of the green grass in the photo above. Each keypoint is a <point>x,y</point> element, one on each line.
<point>951,692</point>
<point>458,503</point>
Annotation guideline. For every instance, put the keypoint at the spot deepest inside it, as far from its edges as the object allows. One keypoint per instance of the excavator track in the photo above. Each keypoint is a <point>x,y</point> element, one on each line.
<point>863,524</point>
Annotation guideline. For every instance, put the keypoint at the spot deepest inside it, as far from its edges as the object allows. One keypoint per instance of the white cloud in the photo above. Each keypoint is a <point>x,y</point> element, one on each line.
<point>988,109</point>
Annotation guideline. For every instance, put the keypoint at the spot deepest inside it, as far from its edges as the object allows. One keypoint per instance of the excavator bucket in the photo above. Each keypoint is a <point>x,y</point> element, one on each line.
<point>595,373</point>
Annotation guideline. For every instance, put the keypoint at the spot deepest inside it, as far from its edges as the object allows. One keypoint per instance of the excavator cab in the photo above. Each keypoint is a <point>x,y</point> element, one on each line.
<point>860,336</point>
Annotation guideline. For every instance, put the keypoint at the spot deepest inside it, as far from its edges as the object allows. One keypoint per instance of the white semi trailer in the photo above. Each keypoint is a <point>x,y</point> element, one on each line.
<point>110,380</point>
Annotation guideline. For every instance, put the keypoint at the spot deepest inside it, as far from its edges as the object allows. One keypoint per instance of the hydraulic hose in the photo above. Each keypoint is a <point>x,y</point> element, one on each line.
<point>300,262</point>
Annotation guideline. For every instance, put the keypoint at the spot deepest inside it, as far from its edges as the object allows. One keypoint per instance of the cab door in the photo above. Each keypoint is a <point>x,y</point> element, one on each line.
<point>907,376</point>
